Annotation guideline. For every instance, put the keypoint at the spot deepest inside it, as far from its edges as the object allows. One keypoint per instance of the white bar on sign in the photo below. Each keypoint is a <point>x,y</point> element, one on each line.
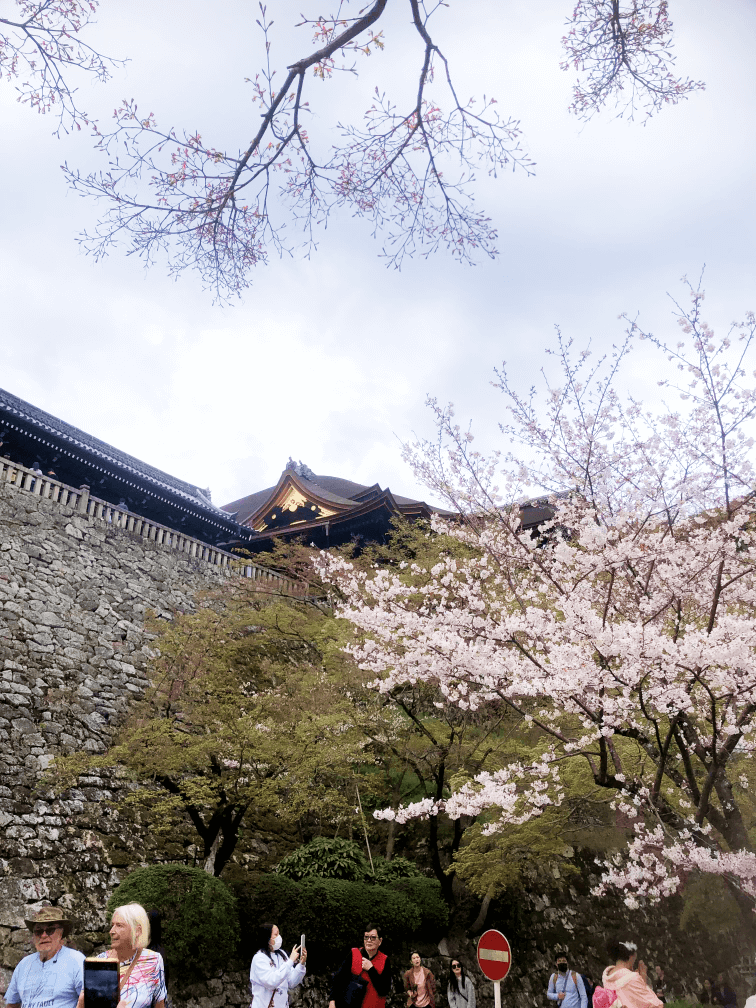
<point>495,955</point>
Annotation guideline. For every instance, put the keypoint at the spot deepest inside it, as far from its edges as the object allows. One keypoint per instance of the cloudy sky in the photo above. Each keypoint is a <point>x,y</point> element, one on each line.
<point>330,359</point>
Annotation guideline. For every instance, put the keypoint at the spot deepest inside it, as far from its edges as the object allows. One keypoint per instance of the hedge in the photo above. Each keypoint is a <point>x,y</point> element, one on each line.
<point>200,926</point>
<point>331,912</point>
<point>425,893</point>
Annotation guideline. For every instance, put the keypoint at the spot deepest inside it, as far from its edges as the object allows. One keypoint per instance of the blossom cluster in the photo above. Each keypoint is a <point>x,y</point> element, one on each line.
<point>622,629</point>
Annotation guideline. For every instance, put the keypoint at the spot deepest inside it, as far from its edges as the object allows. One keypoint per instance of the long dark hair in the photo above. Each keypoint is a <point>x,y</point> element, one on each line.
<point>454,983</point>
<point>264,931</point>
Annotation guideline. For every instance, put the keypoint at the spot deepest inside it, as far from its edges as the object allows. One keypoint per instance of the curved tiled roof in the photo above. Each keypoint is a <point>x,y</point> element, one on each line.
<point>38,418</point>
<point>328,488</point>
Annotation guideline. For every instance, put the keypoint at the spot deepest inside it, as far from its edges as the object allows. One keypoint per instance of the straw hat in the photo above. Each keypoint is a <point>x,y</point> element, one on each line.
<point>50,915</point>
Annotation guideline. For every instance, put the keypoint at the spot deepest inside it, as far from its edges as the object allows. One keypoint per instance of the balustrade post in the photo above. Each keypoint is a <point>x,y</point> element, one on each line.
<point>83,499</point>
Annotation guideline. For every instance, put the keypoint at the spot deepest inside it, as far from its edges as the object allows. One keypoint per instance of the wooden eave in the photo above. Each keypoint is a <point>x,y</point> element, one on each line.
<point>290,481</point>
<point>347,515</point>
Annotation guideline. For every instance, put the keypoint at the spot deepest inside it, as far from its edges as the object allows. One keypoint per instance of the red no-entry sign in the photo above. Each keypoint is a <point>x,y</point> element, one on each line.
<point>494,955</point>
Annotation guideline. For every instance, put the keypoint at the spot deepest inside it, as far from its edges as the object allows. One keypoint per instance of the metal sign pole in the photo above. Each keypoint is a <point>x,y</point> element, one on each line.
<point>497,993</point>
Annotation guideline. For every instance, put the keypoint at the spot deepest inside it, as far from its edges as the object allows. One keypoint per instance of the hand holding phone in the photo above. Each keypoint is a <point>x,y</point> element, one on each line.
<point>101,988</point>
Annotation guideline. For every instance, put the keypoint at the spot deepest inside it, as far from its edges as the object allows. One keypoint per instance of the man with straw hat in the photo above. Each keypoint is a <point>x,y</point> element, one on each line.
<point>53,975</point>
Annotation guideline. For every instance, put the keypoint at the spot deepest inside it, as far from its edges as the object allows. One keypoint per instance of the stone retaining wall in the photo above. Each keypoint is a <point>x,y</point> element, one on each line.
<point>73,655</point>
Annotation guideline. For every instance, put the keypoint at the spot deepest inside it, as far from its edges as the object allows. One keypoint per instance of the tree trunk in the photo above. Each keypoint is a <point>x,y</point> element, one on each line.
<point>396,799</point>
<point>390,839</point>
<point>435,853</point>
<point>209,865</point>
<point>480,920</point>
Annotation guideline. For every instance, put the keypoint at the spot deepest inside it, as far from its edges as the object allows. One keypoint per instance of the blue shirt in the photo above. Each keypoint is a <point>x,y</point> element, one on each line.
<point>55,983</point>
<point>574,993</point>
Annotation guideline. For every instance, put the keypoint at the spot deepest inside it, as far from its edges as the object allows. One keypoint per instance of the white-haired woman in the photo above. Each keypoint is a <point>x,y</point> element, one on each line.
<point>141,971</point>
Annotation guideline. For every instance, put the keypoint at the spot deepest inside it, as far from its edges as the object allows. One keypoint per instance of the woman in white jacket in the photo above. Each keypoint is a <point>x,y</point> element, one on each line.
<point>272,972</point>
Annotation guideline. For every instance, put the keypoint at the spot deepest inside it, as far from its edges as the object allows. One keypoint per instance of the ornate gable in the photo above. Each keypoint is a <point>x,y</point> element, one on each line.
<point>295,501</point>
<point>294,509</point>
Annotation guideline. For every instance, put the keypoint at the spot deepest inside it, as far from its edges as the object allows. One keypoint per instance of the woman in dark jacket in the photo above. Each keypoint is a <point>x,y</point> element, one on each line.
<point>723,994</point>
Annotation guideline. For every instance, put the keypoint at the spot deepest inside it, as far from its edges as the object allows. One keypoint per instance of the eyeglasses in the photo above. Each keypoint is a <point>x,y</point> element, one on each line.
<point>38,932</point>
<point>456,966</point>
<point>371,938</point>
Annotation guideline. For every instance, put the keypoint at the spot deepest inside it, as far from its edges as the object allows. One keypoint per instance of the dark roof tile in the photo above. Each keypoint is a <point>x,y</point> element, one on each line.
<point>17,407</point>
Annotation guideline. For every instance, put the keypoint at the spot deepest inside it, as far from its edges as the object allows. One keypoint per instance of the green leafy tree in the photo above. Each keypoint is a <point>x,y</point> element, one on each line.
<point>242,716</point>
<point>420,745</point>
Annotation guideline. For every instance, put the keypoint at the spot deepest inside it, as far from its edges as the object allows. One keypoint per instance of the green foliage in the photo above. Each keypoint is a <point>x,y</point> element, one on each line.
<point>425,894</point>
<point>335,858</point>
<point>387,872</point>
<point>709,906</point>
<point>199,917</point>
<point>491,862</point>
<point>326,857</point>
<point>331,912</point>
<point>247,712</point>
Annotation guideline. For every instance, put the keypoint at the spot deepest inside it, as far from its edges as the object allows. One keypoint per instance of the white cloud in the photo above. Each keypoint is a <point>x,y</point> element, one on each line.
<point>330,359</point>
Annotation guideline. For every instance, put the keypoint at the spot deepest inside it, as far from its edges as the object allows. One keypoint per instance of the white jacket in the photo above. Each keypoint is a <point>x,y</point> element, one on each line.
<point>273,973</point>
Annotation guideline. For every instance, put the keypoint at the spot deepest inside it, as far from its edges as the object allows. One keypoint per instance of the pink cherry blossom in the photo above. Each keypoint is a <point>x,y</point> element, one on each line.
<point>623,631</point>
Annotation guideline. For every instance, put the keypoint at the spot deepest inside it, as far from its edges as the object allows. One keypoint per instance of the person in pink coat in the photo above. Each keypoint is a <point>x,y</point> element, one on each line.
<point>630,984</point>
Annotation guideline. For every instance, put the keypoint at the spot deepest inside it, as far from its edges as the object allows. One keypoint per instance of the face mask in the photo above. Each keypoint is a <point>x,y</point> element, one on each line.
<point>562,967</point>
<point>277,941</point>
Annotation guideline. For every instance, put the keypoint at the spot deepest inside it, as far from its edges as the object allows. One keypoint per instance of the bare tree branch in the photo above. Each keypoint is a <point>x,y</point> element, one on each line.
<point>408,169</point>
<point>39,48</point>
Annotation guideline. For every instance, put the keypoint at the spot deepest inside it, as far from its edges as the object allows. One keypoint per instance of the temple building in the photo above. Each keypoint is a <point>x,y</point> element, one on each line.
<point>325,510</point>
<point>35,439</point>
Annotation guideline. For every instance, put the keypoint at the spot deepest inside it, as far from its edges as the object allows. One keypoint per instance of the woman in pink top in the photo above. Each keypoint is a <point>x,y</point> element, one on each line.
<point>630,985</point>
<point>420,984</point>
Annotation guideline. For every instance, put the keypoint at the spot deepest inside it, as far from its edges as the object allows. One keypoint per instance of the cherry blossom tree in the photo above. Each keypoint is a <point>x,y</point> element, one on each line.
<point>40,45</point>
<point>621,629</point>
<point>408,168</point>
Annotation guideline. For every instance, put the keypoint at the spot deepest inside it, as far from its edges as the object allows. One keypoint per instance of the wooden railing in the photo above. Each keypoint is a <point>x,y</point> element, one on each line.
<point>82,502</point>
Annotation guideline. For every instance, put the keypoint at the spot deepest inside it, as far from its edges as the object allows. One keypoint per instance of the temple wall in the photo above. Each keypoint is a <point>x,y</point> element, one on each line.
<point>73,655</point>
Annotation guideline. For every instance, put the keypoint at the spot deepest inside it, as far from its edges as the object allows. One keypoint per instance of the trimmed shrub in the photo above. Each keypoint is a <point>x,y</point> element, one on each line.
<point>199,918</point>
<point>326,857</point>
<point>425,894</point>
<point>331,912</point>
